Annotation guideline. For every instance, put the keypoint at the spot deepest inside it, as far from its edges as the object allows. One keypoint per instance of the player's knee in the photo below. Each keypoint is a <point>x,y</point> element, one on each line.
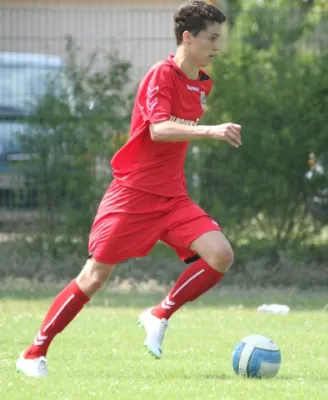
<point>221,258</point>
<point>93,276</point>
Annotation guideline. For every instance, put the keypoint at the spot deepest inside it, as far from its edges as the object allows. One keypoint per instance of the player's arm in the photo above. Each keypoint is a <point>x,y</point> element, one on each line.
<point>156,102</point>
<point>170,131</point>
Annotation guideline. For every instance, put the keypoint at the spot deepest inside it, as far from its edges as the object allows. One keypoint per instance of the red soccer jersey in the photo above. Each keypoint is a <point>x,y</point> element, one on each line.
<point>165,93</point>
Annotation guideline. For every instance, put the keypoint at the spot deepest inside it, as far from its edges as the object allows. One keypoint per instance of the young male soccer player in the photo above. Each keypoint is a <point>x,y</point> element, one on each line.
<point>147,200</point>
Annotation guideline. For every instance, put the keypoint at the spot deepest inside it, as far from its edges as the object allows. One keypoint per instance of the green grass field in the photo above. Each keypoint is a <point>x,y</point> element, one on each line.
<point>101,354</point>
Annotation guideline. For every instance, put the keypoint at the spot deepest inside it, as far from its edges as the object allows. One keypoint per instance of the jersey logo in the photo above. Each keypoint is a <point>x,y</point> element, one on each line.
<point>193,88</point>
<point>203,100</point>
<point>152,91</point>
<point>184,121</point>
<point>151,99</point>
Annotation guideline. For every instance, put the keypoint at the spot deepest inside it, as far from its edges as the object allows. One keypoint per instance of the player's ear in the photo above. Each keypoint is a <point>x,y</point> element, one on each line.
<point>186,37</point>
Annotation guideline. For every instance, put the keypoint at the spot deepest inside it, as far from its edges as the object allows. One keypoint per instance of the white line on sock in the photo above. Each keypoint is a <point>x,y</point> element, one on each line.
<point>59,311</point>
<point>189,280</point>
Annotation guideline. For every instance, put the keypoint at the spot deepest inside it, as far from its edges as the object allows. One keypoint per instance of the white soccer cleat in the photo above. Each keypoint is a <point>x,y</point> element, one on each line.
<point>36,367</point>
<point>155,329</point>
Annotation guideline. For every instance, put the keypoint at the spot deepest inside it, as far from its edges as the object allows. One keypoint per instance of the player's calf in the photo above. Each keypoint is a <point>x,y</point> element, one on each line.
<point>215,257</point>
<point>66,306</point>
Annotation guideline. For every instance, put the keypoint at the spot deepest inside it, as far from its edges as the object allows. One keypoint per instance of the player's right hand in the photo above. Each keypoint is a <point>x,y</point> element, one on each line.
<point>228,132</point>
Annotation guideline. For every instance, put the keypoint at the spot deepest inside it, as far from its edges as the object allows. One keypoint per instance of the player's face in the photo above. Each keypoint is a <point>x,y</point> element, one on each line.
<point>205,46</point>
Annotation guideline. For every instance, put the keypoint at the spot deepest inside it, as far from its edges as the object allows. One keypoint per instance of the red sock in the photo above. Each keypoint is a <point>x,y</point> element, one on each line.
<point>197,279</point>
<point>63,310</point>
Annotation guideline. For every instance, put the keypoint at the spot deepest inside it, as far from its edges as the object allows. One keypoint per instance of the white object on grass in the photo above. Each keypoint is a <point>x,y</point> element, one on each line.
<point>274,309</point>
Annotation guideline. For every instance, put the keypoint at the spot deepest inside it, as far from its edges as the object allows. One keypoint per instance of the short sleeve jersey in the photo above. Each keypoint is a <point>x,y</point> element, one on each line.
<point>165,93</point>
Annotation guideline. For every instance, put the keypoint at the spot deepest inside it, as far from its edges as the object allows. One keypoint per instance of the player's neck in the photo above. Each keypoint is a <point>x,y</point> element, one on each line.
<point>185,64</point>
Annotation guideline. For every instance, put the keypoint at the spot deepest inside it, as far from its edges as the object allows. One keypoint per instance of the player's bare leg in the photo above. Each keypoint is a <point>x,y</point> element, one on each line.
<point>93,276</point>
<point>68,303</point>
<point>216,257</point>
<point>214,248</point>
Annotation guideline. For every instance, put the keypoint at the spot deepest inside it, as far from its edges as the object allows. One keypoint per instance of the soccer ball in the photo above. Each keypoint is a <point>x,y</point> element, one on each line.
<point>256,356</point>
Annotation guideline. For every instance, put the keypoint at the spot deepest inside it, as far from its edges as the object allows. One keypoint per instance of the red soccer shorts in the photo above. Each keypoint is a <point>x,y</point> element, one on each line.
<point>130,222</point>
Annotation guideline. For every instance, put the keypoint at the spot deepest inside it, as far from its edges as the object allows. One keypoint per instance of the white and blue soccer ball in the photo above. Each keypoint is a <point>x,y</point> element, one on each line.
<point>256,356</point>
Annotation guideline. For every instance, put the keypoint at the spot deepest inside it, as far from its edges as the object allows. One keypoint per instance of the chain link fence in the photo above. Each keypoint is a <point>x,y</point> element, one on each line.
<point>139,35</point>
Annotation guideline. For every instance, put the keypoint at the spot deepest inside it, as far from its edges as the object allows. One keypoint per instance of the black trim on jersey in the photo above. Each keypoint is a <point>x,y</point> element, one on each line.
<point>203,76</point>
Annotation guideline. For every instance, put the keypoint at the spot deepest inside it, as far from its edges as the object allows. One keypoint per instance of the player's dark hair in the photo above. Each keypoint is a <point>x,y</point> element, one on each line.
<point>195,16</point>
